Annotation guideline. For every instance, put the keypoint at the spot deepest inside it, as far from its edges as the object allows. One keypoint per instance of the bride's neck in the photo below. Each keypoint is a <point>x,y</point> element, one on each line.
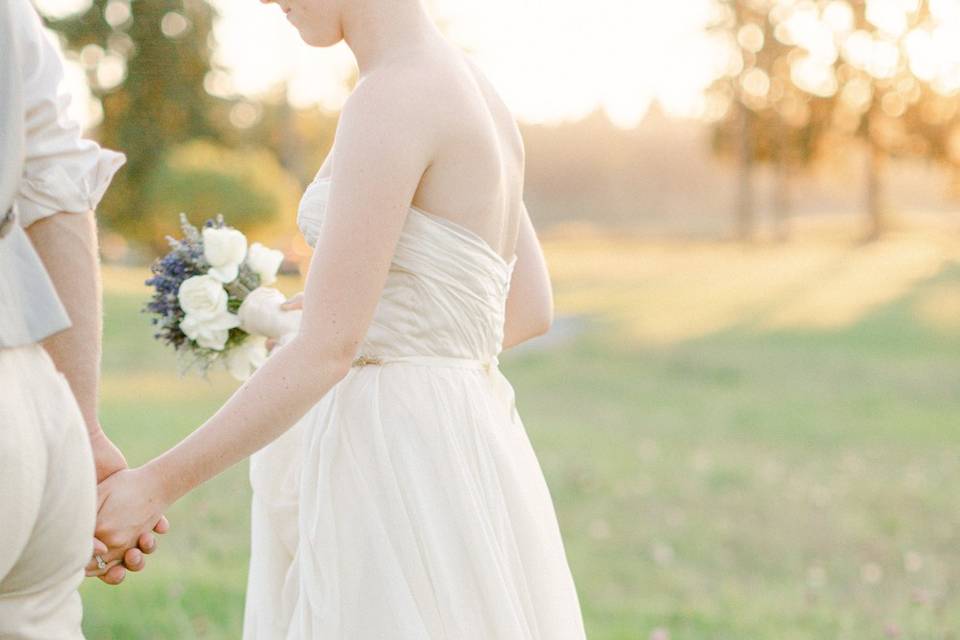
<point>378,31</point>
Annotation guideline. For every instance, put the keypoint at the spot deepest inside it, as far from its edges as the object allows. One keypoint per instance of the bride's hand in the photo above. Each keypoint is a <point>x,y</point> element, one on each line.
<point>294,303</point>
<point>131,505</point>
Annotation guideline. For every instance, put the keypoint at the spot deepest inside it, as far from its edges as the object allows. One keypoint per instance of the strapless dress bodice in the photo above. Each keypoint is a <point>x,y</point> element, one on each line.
<point>445,294</point>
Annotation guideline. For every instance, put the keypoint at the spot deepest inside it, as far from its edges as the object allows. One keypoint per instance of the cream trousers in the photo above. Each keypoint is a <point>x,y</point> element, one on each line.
<point>47,499</point>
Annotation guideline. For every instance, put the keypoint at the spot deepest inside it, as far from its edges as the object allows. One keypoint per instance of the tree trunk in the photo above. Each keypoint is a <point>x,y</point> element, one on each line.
<point>289,152</point>
<point>744,209</point>
<point>874,195</point>
<point>782,201</point>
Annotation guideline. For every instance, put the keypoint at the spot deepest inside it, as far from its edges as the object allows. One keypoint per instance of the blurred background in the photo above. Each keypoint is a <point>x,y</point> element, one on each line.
<point>748,409</point>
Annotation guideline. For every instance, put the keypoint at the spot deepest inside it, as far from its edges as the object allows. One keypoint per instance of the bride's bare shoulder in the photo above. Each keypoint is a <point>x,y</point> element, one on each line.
<point>386,87</point>
<point>438,97</point>
<point>436,82</point>
<point>395,95</point>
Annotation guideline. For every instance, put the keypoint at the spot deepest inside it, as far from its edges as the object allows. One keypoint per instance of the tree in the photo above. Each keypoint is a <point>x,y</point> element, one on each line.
<point>769,120</point>
<point>301,138</point>
<point>847,70</point>
<point>146,62</point>
<point>890,97</point>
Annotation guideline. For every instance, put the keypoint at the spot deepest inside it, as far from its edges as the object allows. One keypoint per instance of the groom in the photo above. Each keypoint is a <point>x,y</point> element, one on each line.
<point>52,449</point>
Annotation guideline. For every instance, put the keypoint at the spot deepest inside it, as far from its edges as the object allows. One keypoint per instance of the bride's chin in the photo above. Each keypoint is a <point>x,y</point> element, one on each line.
<point>320,43</point>
<point>317,39</point>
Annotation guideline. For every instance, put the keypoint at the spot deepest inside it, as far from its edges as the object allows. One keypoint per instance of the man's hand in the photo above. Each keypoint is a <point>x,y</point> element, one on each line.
<point>106,456</point>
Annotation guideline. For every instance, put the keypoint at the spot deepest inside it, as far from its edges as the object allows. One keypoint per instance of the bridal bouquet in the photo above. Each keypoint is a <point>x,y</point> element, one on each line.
<point>211,302</point>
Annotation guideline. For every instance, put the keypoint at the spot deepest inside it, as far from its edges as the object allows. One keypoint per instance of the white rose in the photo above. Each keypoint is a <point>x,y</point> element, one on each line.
<point>210,332</point>
<point>202,296</point>
<point>245,358</point>
<point>225,250</point>
<point>265,262</point>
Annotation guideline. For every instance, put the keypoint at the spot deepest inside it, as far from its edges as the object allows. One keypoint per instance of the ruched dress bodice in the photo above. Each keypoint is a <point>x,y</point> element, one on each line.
<point>446,291</point>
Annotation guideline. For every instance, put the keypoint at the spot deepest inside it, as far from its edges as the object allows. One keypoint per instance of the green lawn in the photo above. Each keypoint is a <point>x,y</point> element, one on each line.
<point>721,470</point>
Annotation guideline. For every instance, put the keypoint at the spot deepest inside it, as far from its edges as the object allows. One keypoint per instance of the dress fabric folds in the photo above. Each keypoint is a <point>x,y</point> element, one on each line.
<point>408,503</point>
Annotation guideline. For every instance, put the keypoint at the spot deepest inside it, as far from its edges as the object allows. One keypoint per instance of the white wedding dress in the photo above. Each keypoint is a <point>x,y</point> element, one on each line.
<point>408,503</point>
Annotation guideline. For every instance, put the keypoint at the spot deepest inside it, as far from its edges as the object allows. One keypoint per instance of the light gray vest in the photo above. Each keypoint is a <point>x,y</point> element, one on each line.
<point>29,307</point>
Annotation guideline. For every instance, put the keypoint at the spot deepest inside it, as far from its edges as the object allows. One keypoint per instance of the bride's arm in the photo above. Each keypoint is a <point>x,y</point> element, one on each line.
<point>530,301</point>
<point>385,144</point>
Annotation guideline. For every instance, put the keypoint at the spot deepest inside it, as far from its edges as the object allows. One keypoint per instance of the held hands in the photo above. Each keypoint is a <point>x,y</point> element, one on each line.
<point>115,571</point>
<point>131,506</point>
<point>109,461</point>
<point>129,510</point>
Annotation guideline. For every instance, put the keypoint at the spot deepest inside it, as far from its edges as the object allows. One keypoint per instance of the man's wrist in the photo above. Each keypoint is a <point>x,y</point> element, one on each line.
<point>107,458</point>
<point>94,429</point>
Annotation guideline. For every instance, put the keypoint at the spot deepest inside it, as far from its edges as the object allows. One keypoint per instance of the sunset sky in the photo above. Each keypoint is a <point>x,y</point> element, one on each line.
<point>552,60</point>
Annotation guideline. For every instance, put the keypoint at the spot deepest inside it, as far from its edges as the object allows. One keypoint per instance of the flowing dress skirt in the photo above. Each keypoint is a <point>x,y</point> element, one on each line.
<point>408,504</point>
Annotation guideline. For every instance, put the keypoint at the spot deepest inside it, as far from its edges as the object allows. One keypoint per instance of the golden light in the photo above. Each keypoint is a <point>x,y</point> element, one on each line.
<point>857,94</point>
<point>750,37</point>
<point>802,24</point>
<point>116,13</point>
<point>795,112</point>
<point>756,83</point>
<point>733,63</point>
<point>921,53</point>
<point>858,49</point>
<point>560,60</point>
<point>244,115</point>
<point>953,144</point>
<point>893,104</point>
<point>556,61</point>
<point>218,83</point>
<point>121,44</point>
<point>814,77</point>
<point>945,11</point>
<point>551,62</point>
<point>838,15</point>
<point>174,25</point>
<point>91,55</point>
<point>111,71</point>
<point>939,110</point>
<point>890,16</point>
<point>884,59</point>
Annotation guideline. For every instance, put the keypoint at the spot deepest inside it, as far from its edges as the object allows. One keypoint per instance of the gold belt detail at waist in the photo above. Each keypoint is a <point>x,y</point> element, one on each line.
<point>430,361</point>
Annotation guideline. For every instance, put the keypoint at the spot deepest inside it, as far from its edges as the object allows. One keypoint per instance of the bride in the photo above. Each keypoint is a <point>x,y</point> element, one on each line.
<point>396,494</point>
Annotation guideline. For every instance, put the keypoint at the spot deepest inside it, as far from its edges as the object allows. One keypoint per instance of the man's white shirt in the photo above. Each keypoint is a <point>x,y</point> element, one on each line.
<point>46,167</point>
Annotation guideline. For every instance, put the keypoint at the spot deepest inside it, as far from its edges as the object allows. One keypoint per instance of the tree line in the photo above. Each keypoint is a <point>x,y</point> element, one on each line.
<point>800,79</point>
<point>806,77</point>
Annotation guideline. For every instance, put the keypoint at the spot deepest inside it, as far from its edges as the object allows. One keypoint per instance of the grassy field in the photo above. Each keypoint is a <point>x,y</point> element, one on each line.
<point>744,443</point>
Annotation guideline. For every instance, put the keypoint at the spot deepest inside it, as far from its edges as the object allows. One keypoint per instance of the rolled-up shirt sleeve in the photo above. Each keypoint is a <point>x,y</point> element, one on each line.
<point>63,171</point>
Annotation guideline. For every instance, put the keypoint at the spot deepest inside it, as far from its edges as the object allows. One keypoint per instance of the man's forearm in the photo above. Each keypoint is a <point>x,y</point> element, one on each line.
<point>67,244</point>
